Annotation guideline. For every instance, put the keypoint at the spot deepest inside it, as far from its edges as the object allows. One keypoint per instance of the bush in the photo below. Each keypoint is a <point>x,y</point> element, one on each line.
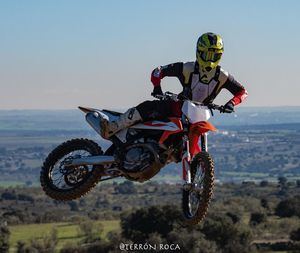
<point>295,235</point>
<point>192,241</point>
<point>4,239</point>
<point>288,207</point>
<point>126,187</point>
<point>25,197</point>
<point>264,203</point>
<point>222,230</point>
<point>9,195</point>
<point>234,217</point>
<point>46,244</point>
<point>138,225</point>
<point>90,230</point>
<point>73,206</point>
<point>257,218</point>
<point>264,183</point>
<point>282,181</point>
<point>71,248</point>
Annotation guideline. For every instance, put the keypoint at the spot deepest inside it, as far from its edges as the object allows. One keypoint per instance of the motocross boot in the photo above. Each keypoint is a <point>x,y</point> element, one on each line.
<point>129,118</point>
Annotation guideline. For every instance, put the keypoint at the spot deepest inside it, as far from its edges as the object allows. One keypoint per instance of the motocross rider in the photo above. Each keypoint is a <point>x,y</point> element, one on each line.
<point>202,80</point>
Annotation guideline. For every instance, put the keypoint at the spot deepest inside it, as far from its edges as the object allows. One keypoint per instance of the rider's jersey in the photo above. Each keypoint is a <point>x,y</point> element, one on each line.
<point>201,88</point>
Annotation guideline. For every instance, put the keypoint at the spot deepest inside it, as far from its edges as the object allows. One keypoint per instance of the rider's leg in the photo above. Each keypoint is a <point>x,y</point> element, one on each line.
<point>158,110</point>
<point>148,110</point>
<point>130,117</point>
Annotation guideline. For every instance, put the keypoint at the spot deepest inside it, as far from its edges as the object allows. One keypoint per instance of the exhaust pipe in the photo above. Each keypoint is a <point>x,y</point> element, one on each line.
<point>91,160</point>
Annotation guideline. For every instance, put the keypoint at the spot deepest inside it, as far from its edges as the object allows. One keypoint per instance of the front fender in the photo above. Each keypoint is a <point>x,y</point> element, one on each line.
<point>202,127</point>
<point>195,131</point>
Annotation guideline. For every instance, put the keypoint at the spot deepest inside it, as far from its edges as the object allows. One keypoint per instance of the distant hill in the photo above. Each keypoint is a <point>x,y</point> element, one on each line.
<point>74,119</point>
<point>253,143</point>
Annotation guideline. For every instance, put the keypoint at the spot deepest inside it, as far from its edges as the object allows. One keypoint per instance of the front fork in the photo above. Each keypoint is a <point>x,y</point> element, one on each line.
<point>204,142</point>
<point>186,158</point>
<point>186,161</point>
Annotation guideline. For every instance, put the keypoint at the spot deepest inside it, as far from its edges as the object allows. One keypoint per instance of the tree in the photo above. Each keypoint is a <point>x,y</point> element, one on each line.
<point>25,197</point>
<point>192,241</point>
<point>4,238</point>
<point>234,217</point>
<point>73,206</point>
<point>9,195</point>
<point>264,183</point>
<point>288,207</point>
<point>138,225</point>
<point>220,228</point>
<point>295,235</point>
<point>282,181</point>
<point>257,218</point>
<point>21,247</point>
<point>264,203</point>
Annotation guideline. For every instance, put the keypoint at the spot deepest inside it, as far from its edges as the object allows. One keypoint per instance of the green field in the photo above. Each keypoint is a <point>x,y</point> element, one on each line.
<point>6,184</point>
<point>66,232</point>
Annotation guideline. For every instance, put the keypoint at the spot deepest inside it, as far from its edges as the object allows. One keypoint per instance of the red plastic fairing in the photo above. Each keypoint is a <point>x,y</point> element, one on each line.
<point>166,134</point>
<point>195,131</point>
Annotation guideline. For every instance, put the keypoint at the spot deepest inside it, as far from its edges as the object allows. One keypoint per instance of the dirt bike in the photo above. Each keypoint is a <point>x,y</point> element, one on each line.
<point>137,153</point>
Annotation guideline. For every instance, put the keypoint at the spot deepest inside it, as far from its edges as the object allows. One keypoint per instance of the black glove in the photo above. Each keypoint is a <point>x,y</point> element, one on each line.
<point>185,94</point>
<point>228,107</point>
<point>156,91</point>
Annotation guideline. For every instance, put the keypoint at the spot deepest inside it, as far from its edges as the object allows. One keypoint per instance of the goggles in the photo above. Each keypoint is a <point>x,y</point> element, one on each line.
<point>210,55</point>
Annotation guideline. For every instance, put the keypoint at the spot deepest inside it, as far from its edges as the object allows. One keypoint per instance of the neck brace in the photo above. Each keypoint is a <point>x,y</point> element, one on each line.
<point>206,76</point>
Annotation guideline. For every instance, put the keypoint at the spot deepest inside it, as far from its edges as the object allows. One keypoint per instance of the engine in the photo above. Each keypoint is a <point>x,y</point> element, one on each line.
<point>141,161</point>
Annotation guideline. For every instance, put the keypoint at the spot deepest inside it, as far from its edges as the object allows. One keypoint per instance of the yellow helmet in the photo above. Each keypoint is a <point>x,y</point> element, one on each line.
<point>209,50</point>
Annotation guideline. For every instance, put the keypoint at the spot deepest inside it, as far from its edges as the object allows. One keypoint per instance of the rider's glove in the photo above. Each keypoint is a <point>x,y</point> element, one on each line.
<point>185,94</point>
<point>228,107</point>
<point>157,91</point>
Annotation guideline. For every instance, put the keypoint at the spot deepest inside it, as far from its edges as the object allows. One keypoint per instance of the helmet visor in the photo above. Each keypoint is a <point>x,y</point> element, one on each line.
<point>211,56</point>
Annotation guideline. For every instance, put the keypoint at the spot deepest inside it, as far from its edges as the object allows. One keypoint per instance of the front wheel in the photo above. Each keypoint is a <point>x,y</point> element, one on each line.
<point>195,201</point>
<point>64,183</point>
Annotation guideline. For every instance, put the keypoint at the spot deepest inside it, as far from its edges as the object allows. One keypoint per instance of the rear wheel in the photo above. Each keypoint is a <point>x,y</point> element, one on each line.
<point>64,183</point>
<point>195,201</point>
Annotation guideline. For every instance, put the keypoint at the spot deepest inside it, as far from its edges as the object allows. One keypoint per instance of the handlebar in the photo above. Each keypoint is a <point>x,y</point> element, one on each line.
<point>168,96</point>
<point>172,96</point>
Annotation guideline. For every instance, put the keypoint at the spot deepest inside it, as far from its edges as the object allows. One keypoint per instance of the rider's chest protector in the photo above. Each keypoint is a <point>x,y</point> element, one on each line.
<point>200,90</point>
<point>203,86</point>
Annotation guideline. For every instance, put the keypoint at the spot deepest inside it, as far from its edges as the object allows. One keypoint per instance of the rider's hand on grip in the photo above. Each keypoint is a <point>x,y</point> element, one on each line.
<point>156,91</point>
<point>185,94</point>
<point>227,108</point>
<point>182,97</point>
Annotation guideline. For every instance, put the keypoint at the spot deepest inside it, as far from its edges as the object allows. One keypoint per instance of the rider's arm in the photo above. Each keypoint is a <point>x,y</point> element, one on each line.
<point>174,69</point>
<point>238,90</point>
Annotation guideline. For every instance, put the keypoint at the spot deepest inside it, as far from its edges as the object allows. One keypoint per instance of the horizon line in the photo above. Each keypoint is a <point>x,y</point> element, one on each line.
<point>76,108</point>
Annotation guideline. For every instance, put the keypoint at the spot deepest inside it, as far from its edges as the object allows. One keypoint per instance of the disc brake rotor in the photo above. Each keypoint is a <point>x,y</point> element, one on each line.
<point>76,176</point>
<point>73,175</point>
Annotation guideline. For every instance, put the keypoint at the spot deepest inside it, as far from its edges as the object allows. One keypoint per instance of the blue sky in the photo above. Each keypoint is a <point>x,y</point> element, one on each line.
<point>60,54</point>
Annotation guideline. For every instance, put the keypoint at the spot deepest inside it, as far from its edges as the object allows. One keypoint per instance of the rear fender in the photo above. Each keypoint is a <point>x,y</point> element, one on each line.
<point>94,116</point>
